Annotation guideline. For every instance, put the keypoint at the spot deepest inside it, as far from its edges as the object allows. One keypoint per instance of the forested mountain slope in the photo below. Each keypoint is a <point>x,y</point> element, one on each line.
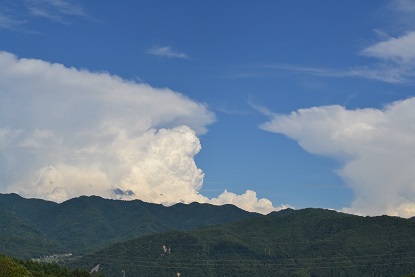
<point>309,242</point>
<point>32,227</point>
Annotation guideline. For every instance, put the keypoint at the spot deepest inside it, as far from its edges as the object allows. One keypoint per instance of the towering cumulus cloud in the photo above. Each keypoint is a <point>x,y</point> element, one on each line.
<point>66,132</point>
<point>377,148</point>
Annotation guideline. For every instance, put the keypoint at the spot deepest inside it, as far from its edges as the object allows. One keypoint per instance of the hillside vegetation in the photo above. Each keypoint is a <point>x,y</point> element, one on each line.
<point>142,239</point>
<point>309,242</point>
<point>16,268</point>
<point>33,227</point>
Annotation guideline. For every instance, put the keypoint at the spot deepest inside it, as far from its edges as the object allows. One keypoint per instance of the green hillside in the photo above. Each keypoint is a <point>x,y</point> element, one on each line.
<point>143,239</point>
<point>309,242</point>
<point>34,227</point>
<point>16,268</point>
<point>21,238</point>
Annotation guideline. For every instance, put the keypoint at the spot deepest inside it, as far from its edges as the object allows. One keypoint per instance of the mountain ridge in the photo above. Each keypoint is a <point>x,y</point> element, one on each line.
<point>306,242</point>
<point>89,222</point>
<point>146,239</point>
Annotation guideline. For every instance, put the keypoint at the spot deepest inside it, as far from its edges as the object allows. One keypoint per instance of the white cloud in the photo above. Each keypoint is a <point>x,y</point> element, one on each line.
<point>95,127</point>
<point>51,95</point>
<point>166,52</point>
<point>164,170</point>
<point>376,147</point>
<point>63,181</point>
<point>155,166</point>
<point>66,132</point>
<point>399,50</point>
<point>394,56</point>
<point>247,201</point>
<point>395,60</point>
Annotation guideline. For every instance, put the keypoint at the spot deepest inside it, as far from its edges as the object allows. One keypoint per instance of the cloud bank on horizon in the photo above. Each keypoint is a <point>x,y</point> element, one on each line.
<point>66,132</point>
<point>375,146</point>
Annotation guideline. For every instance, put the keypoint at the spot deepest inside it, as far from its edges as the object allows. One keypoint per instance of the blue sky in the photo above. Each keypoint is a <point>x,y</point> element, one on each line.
<point>260,104</point>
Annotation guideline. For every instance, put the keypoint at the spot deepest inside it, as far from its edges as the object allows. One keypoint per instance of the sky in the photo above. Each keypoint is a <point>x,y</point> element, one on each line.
<point>261,104</point>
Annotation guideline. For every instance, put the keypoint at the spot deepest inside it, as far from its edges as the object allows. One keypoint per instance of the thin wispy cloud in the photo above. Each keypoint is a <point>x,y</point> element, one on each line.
<point>55,10</point>
<point>392,62</point>
<point>241,76</point>
<point>403,6</point>
<point>262,109</point>
<point>401,13</point>
<point>167,52</point>
<point>303,69</point>
<point>381,72</point>
<point>367,72</point>
<point>19,14</point>
<point>7,22</point>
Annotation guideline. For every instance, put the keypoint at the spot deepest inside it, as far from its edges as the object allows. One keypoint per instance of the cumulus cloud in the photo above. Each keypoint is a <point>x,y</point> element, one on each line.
<point>83,132</point>
<point>165,171</point>
<point>376,147</point>
<point>166,52</point>
<point>247,201</point>
<point>66,132</point>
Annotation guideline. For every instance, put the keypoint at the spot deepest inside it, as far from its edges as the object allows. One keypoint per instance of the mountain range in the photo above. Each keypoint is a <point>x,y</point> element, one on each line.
<point>143,239</point>
<point>34,227</point>
<point>308,242</point>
